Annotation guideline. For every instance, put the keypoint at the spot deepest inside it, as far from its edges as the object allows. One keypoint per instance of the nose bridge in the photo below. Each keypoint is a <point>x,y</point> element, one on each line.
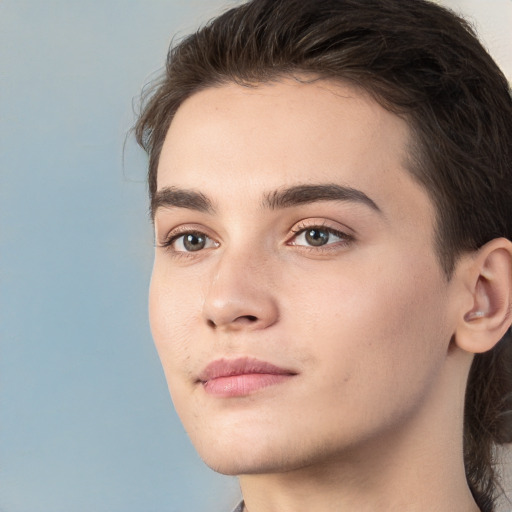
<point>240,292</point>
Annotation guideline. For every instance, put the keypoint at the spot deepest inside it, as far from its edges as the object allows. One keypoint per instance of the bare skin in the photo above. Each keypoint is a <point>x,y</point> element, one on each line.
<point>290,232</point>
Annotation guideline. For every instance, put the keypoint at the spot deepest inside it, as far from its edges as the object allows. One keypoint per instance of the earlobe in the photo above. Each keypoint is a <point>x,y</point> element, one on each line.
<point>489,281</point>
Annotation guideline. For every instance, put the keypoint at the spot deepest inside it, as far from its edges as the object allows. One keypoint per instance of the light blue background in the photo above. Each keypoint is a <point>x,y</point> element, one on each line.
<point>86,423</point>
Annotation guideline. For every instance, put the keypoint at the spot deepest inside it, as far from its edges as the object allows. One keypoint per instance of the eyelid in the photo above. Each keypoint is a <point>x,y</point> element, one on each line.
<point>344,233</point>
<point>179,231</point>
<point>323,223</point>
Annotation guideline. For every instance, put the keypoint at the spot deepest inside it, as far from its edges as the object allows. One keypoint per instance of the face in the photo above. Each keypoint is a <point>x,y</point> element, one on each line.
<point>297,304</point>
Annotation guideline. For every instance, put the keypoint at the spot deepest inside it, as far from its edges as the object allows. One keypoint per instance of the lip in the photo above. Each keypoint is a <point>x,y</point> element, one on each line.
<point>241,377</point>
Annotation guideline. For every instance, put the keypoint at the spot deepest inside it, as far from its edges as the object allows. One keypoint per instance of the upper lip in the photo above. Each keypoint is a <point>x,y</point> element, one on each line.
<point>241,366</point>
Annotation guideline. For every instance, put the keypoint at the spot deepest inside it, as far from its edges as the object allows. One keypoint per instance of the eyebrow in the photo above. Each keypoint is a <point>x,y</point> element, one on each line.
<point>303,194</point>
<point>173,197</point>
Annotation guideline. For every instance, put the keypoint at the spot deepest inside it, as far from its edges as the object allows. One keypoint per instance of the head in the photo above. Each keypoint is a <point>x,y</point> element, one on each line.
<point>440,92</point>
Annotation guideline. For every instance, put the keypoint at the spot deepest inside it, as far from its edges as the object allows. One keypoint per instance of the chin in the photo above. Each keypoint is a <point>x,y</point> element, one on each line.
<point>237,458</point>
<point>227,466</point>
<point>233,464</point>
<point>246,457</point>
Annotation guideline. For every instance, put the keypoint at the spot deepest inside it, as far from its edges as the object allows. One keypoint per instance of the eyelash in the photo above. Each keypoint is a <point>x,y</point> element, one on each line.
<point>345,239</point>
<point>175,235</point>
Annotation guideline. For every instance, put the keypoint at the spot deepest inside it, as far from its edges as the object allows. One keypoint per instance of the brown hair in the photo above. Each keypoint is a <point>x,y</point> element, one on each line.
<point>421,62</point>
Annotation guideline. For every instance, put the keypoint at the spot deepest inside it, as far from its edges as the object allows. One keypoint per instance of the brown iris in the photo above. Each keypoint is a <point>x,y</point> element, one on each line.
<point>316,237</point>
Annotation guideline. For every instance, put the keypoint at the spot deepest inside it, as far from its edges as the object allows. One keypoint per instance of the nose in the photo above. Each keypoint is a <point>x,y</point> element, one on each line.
<point>240,295</point>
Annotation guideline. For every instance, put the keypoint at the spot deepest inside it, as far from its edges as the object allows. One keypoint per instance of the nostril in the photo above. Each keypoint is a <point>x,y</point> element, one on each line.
<point>248,319</point>
<point>239,320</point>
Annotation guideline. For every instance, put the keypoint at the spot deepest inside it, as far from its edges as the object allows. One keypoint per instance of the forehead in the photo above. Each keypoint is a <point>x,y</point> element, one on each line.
<point>286,133</point>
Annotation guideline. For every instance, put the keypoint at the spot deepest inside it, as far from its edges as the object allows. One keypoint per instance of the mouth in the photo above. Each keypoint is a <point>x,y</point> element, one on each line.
<point>241,377</point>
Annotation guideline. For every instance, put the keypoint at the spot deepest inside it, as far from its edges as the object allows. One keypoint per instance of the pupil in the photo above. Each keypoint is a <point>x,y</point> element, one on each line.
<point>316,237</point>
<point>193,242</point>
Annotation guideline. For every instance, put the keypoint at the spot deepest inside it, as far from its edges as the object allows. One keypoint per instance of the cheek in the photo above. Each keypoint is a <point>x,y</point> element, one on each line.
<point>377,326</point>
<point>172,312</point>
<point>171,315</point>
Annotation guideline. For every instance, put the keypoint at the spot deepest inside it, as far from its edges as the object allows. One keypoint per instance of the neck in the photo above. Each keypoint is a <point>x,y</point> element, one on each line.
<point>417,467</point>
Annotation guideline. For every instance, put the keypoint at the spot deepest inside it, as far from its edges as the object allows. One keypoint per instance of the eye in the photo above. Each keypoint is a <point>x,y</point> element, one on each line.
<point>191,241</point>
<point>317,236</point>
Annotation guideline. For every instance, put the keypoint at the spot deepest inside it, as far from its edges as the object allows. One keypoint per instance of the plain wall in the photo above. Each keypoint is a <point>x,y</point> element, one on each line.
<point>86,423</point>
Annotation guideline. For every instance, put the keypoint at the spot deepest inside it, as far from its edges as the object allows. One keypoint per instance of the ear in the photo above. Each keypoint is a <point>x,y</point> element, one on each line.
<point>488,280</point>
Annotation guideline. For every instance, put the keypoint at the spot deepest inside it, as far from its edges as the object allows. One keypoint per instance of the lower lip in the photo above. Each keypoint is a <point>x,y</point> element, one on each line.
<point>242,385</point>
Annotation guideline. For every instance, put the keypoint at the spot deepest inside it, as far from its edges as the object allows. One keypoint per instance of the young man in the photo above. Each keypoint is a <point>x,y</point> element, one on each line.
<point>331,191</point>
